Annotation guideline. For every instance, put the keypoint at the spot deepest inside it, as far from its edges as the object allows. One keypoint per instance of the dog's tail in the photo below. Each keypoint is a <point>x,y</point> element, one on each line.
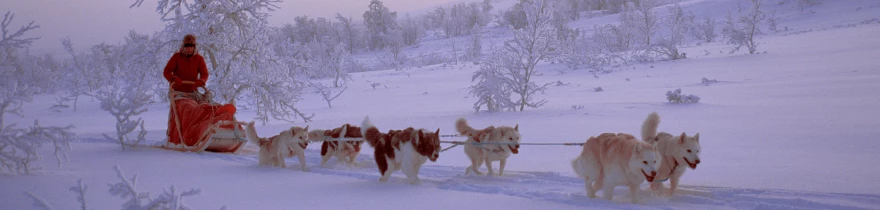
<point>251,133</point>
<point>578,167</point>
<point>649,128</point>
<point>371,133</point>
<point>463,128</point>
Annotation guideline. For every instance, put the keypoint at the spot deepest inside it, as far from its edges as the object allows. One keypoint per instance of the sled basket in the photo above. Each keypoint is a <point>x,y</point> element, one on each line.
<point>223,135</point>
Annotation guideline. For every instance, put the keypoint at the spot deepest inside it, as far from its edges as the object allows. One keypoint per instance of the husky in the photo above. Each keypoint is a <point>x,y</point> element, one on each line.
<point>274,149</point>
<point>675,152</point>
<point>344,151</point>
<point>405,150</point>
<point>609,160</point>
<point>478,153</point>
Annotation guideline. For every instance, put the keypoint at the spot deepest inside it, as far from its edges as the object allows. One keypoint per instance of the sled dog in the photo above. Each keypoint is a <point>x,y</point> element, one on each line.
<point>406,150</point>
<point>609,160</point>
<point>274,149</point>
<point>479,153</point>
<point>344,151</point>
<point>676,152</point>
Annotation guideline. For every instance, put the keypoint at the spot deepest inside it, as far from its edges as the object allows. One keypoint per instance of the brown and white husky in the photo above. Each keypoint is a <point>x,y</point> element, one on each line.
<point>344,151</point>
<point>406,150</point>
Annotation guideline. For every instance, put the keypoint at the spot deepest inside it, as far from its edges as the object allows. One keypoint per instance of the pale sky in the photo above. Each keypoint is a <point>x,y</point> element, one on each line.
<point>89,22</point>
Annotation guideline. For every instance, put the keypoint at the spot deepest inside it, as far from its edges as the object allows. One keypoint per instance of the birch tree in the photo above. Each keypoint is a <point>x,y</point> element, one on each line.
<point>233,36</point>
<point>530,45</point>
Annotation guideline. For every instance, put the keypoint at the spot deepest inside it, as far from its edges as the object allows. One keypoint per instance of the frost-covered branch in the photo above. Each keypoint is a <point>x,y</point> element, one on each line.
<point>14,39</point>
<point>327,93</point>
<point>18,147</point>
<point>125,101</point>
<point>40,202</point>
<point>80,191</point>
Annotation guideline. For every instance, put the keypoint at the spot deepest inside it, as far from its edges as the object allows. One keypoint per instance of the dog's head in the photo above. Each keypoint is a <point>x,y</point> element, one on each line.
<point>295,137</point>
<point>428,144</point>
<point>688,149</point>
<point>511,136</point>
<point>644,159</point>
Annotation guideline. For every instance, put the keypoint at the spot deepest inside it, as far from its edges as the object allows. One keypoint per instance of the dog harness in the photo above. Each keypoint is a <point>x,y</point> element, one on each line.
<point>671,171</point>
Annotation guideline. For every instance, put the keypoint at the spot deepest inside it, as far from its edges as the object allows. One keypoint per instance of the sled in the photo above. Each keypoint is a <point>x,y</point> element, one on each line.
<point>223,135</point>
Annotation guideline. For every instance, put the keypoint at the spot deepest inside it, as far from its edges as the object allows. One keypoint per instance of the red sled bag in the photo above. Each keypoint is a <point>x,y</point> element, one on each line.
<point>195,123</point>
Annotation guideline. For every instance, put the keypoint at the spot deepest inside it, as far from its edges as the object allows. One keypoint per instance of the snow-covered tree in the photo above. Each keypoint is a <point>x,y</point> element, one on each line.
<point>676,24</point>
<point>704,30</point>
<point>411,31</point>
<point>327,59</point>
<point>380,23</point>
<point>530,45</point>
<point>475,49</point>
<point>494,87</point>
<point>642,17</point>
<point>515,16</point>
<point>125,101</point>
<point>741,31</point>
<point>348,33</point>
<point>18,146</point>
<point>613,38</point>
<point>233,37</point>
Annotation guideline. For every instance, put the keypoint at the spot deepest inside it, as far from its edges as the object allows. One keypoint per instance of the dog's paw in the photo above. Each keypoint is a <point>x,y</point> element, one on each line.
<point>415,181</point>
<point>306,169</point>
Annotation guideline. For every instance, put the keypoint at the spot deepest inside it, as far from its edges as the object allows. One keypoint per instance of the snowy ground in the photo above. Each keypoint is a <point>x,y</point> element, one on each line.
<point>785,129</point>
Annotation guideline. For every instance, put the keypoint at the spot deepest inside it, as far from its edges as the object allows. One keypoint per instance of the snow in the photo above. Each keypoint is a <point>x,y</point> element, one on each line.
<point>787,129</point>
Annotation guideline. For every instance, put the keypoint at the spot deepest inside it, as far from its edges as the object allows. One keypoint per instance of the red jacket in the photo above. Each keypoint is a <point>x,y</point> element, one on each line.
<point>187,68</point>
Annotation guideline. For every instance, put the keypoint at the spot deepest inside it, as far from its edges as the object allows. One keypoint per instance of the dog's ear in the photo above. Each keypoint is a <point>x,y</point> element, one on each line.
<point>307,128</point>
<point>437,133</point>
<point>682,138</point>
<point>697,137</point>
<point>516,128</point>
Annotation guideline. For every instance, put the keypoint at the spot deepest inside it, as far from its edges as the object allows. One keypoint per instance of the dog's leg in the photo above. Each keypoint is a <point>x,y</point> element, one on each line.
<point>591,192</point>
<point>607,190</point>
<point>489,165</point>
<point>657,187</point>
<point>501,166</point>
<point>408,167</point>
<point>634,193</point>
<point>352,158</point>
<point>382,163</point>
<point>324,159</point>
<point>302,161</point>
<point>673,184</point>
<point>475,165</point>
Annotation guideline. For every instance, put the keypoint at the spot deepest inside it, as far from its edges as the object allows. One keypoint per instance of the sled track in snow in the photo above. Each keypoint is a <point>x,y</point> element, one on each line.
<point>553,187</point>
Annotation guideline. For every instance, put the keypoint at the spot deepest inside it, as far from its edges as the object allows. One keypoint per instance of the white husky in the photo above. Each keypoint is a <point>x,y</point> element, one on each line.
<point>274,149</point>
<point>612,159</point>
<point>478,153</point>
<point>676,151</point>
